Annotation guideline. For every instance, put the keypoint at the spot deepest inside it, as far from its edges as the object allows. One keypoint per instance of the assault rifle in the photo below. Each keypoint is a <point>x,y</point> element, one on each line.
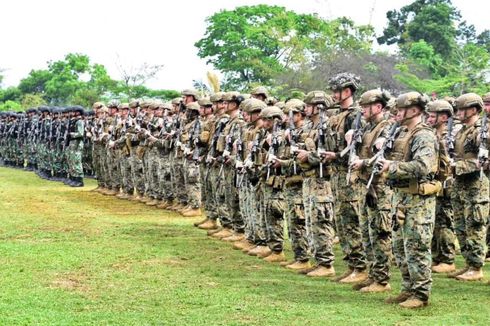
<point>321,135</point>
<point>450,137</point>
<point>387,145</point>
<point>293,147</point>
<point>351,149</point>
<point>271,154</point>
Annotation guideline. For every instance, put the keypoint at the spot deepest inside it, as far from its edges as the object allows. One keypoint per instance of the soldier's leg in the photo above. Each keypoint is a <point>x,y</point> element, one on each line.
<point>295,215</point>
<point>417,235</point>
<point>274,215</point>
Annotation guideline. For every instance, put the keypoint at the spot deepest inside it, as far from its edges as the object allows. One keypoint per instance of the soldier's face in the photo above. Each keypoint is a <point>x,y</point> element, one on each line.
<point>268,123</point>
<point>487,107</point>
<point>309,110</point>
<point>221,105</point>
<point>432,119</point>
<point>188,99</point>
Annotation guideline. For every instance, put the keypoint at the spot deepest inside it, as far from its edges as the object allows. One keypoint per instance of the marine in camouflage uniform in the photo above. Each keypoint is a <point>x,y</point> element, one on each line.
<point>293,186</point>
<point>470,195</point>
<point>486,103</point>
<point>375,213</point>
<point>191,138</point>
<point>122,145</point>
<point>272,181</point>
<point>440,117</point>
<point>411,166</point>
<point>213,195</point>
<point>248,176</point>
<point>348,193</point>
<point>227,191</point>
<point>318,198</point>
<point>75,147</point>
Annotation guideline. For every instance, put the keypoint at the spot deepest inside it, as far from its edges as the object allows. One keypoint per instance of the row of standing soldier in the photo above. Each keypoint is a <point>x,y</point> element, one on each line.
<point>390,186</point>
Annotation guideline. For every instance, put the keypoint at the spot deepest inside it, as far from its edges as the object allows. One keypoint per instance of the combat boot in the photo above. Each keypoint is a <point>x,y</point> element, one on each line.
<point>164,204</point>
<point>112,192</point>
<point>458,272</point>
<point>264,251</point>
<point>193,212</point>
<point>376,287</point>
<point>196,224</point>
<point>403,296</point>
<point>172,205</point>
<point>413,303</point>
<point>346,273</point>
<point>443,268</point>
<point>248,247</point>
<point>355,277</point>
<point>258,249</point>
<point>145,199</point>
<point>299,265</point>
<point>275,257</point>
<point>153,202</point>
<point>136,196</point>
<point>363,284</point>
<point>222,234</point>
<point>287,262</point>
<point>209,225</point>
<point>322,271</point>
<point>472,274</point>
<point>240,245</point>
<point>235,237</point>
<point>77,182</point>
<point>213,231</point>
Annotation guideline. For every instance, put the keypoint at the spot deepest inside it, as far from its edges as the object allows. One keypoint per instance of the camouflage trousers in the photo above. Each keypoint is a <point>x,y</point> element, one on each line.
<point>471,208</point>
<point>319,219</point>
<point>126,178</point>
<point>274,217</point>
<point>137,170</point>
<point>414,217</point>
<point>193,184</point>
<point>115,181</point>
<point>347,212</point>
<point>74,158</point>
<point>376,231</point>
<point>295,217</point>
<point>443,241</point>
<point>151,172</point>
<point>165,177</point>
<point>231,200</point>
<point>98,163</point>
<point>209,190</point>
<point>249,194</point>
<point>178,180</point>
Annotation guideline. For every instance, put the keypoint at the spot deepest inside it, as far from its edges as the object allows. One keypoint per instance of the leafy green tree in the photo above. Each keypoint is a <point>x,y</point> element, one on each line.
<point>35,82</point>
<point>430,20</point>
<point>252,44</point>
<point>10,106</point>
<point>32,100</point>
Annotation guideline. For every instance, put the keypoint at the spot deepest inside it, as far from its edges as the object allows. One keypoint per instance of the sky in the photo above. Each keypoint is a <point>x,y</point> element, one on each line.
<point>130,33</point>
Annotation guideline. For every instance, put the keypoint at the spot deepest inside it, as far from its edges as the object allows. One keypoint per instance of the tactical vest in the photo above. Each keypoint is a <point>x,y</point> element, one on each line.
<point>366,151</point>
<point>401,152</point>
<point>465,146</point>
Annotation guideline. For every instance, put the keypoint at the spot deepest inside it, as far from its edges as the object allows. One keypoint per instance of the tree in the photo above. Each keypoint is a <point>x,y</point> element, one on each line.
<point>133,78</point>
<point>35,82</point>
<point>32,100</point>
<point>252,44</point>
<point>430,20</point>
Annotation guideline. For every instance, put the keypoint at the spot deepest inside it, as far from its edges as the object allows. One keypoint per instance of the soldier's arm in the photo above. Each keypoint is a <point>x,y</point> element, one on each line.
<point>423,156</point>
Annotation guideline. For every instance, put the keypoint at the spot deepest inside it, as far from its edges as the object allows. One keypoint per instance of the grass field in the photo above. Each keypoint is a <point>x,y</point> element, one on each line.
<point>73,257</point>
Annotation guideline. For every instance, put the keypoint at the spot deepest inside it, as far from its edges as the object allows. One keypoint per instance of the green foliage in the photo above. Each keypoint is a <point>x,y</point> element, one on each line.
<point>254,43</point>
<point>430,20</point>
<point>10,94</point>
<point>32,100</point>
<point>10,106</point>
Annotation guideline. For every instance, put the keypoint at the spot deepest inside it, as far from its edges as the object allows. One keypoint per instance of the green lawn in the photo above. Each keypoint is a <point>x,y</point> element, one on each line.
<point>70,256</point>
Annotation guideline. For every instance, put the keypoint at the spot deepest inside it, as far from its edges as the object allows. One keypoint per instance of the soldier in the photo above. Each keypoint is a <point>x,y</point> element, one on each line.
<point>443,242</point>
<point>123,147</point>
<point>293,186</point>
<point>375,214</point>
<point>470,193</point>
<point>272,182</point>
<point>247,175</point>
<point>318,198</point>
<point>231,219</point>
<point>411,167</point>
<point>75,147</point>
<point>347,187</point>
<point>190,137</point>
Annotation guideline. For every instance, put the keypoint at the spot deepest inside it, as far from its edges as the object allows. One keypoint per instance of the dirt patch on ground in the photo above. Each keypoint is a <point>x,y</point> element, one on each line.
<point>71,282</point>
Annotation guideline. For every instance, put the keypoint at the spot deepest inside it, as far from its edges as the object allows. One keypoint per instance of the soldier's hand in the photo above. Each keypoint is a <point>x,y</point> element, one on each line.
<point>348,136</point>
<point>276,163</point>
<point>328,156</point>
<point>357,164</point>
<point>302,155</point>
<point>386,165</point>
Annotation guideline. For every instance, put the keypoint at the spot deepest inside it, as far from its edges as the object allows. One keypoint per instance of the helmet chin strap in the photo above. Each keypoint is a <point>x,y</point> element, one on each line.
<point>405,118</point>
<point>466,117</point>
